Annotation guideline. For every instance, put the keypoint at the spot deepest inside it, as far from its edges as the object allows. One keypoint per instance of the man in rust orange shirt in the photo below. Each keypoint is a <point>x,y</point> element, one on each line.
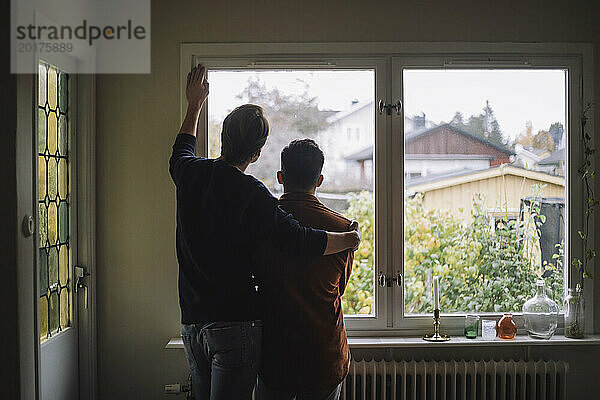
<point>305,353</point>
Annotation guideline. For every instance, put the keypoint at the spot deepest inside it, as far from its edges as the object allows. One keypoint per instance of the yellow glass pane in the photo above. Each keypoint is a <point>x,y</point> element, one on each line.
<point>52,223</point>
<point>52,87</point>
<point>62,178</point>
<point>63,265</point>
<point>65,309</point>
<point>41,131</point>
<point>43,318</point>
<point>41,85</point>
<point>54,312</point>
<point>41,178</point>
<point>52,133</point>
<point>52,178</point>
<point>43,224</point>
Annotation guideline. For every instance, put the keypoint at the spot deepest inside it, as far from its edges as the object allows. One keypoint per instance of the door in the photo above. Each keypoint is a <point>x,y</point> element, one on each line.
<point>55,150</point>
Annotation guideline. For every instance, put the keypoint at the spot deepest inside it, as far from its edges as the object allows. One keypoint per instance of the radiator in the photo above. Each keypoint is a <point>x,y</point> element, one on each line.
<point>456,380</point>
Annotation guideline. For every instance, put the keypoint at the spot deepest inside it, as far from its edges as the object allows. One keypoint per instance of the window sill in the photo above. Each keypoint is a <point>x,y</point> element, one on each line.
<point>456,341</point>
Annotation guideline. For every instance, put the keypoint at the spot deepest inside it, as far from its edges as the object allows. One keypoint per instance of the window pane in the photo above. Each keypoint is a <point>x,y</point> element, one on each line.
<point>53,207</point>
<point>484,187</point>
<point>322,105</point>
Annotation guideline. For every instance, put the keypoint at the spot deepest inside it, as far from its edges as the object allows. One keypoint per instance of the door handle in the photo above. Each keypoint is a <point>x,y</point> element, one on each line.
<point>80,274</point>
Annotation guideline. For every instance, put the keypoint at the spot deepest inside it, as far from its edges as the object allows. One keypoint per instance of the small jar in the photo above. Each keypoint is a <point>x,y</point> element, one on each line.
<point>471,326</point>
<point>507,329</point>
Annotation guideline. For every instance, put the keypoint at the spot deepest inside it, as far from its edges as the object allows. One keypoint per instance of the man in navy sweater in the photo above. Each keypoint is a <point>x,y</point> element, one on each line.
<point>223,215</point>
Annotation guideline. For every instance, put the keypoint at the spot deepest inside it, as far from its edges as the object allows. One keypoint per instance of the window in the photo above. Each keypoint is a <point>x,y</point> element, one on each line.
<point>459,219</point>
<point>321,105</point>
<point>54,211</point>
<point>471,179</point>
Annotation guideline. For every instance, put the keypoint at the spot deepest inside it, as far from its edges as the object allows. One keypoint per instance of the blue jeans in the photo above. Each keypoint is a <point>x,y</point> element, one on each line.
<point>264,393</point>
<point>223,358</point>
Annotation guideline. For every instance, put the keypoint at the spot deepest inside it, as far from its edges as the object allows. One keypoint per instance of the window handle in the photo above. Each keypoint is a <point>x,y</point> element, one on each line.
<point>388,107</point>
<point>385,281</point>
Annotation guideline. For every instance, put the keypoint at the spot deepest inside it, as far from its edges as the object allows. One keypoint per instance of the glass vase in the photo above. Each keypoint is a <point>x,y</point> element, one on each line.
<point>574,309</point>
<point>540,314</point>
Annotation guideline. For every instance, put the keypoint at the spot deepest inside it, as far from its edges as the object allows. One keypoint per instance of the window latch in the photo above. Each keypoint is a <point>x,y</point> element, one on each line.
<point>385,281</point>
<point>388,107</point>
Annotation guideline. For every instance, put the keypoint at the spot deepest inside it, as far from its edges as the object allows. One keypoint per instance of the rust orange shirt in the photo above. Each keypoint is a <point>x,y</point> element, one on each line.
<point>304,339</point>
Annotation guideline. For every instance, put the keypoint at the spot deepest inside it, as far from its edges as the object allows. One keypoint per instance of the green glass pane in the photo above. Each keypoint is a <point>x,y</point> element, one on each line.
<point>62,92</point>
<point>62,135</point>
<point>52,267</point>
<point>63,265</point>
<point>41,84</point>
<point>52,133</point>
<point>52,178</point>
<point>52,89</point>
<point>53,325</point>
<point>42,177</point>
<point>43,224</point>
<point>41,130</point>
<point>63,178</point>
<point>43,318</point>
<point>65,309</point>
<point>43,271</point>
<point>63,222</point>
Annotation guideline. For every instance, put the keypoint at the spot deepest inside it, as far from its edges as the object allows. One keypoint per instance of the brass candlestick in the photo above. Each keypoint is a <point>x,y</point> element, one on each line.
<point>436,336</point>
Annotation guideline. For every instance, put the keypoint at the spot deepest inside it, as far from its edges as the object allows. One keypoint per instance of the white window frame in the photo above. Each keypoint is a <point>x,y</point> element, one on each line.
<point>388,59</point>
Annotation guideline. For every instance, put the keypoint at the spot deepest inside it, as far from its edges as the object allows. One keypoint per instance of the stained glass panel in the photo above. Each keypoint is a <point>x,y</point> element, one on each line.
<point>62,178</point>
<point>42,85</point>
<point>43,317</point>
<point>63,222</point>
<point>52,131</point>
<point>53,268</point>
<point>52,83</point>
<point>43,223</point>
<point>43,263</point>
<point>63,265</point>
<point>54,203</point>
<point>52,224</point>
<point>64,308</point>
<point>41,178</point>
<point>41,130</point>
<point>53,325</point>
<point>52,178</point>
<point>62,135</point>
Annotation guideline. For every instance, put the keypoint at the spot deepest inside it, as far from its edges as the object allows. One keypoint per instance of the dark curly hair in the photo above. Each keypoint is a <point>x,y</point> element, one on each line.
<point>301,164</point>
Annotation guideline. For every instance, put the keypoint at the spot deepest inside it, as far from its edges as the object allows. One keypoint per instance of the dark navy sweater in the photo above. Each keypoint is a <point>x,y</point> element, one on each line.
<point>222,214</point>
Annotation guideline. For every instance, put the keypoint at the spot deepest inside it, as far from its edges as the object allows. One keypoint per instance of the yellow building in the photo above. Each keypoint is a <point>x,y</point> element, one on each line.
<point>502,187</point>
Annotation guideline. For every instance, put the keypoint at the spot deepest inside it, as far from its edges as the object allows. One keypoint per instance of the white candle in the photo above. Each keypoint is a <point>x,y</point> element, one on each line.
<point>436,292</point>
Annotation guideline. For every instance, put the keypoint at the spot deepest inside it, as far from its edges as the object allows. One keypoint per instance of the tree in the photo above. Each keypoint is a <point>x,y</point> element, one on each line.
<point>525,138</point>
<point>543,140</point>
<point>556,131</point>
<point>484,125</point>
<point>290,117</point>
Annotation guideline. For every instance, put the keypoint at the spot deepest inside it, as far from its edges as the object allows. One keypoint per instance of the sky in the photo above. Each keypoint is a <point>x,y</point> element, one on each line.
<point>516,96</point>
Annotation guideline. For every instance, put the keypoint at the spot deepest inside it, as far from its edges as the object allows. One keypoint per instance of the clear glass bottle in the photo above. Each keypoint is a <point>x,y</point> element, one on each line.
<point>574,309</point>
<point>540,313</point>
